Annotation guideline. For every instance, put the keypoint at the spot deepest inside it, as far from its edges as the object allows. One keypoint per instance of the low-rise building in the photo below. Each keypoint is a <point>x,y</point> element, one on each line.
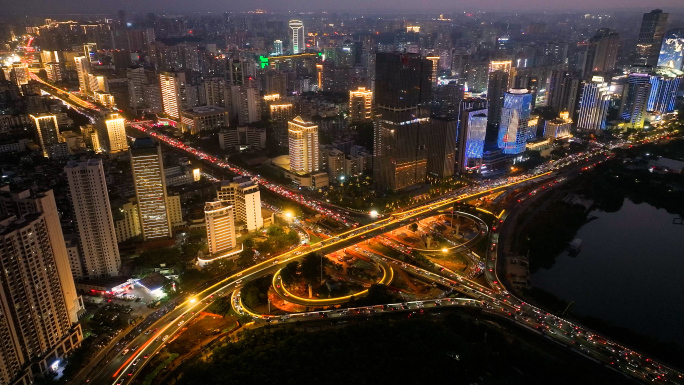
<point>204,118</point>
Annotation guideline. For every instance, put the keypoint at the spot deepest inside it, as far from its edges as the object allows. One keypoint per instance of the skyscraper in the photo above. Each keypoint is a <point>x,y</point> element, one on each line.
<point>303,144</point>
<point>173,90</point>
<point>601,53</point>
<point>90,200</point>
<point>562,91</point>
<point>472,129</point>
<point>114,139</point>
<point>499,77</point>
<point>441,143</point>
<point>664,87</point>
<point>593,105</point>
<point>19,203</point>
<point>513,129</point>
<point>82,70</point>
<point>48,131</point>
<point>150,188</point>
<point>402,88</point>
<point>651,37</point>
<point>672,50</point>
<point>220,219</point>
<point>34,316</point>
<point>360,105</point>
<point>638,90</point>
<point>243,194</point>
<point>297,37</point>
<point>277,47</point>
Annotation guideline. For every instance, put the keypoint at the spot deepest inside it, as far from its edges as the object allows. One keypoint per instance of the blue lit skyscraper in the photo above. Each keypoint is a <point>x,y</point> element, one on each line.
<point>672,50</point>
<point>664,85</point>
<point>472,129</point>
<point>634,105</point>
<point>594,105</point>
<point>513,129</point>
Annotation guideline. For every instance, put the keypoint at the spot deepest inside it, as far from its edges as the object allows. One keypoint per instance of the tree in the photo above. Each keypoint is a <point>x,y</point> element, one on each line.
<point>413,227</point>
<point>289,273</point>
<point>311,269</point>
<point>245,258</point>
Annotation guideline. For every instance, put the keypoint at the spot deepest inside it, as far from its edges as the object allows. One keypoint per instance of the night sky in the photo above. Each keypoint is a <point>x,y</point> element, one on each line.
<point>109,6</point>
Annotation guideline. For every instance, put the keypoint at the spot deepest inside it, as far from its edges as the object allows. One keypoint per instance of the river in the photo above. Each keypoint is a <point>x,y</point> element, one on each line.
<point>630,271</point>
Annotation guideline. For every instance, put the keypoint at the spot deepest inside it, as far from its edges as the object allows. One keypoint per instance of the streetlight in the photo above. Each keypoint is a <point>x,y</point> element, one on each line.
<point>445,250</point>
<point>374,214</point>
<point>193,300</point>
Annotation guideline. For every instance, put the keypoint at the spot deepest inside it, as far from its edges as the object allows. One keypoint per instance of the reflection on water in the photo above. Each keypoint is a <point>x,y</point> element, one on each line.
<point>630,271</point>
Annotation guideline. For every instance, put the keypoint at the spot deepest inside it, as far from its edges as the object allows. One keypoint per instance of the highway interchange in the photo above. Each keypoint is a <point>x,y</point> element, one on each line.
<point>117,368</point>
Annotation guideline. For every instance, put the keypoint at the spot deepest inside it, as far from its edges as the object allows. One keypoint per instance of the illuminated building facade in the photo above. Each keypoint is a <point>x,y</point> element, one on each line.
<point>672,50</point>
<point>172,85</point>
<point>634,105</point>
<point>472,129</point>
<point>361,105</point>
<point>515,114</point>
<point>593,105</point>
<point>499,77</point>
<point>82,70</point>
<point>90,199</point>
<point>243,194</point>
<point>664,86</point>
<point>220,219</point>
<point>116,141</point>
<point>277,47</point>
<point>297,36</point>
<point>558,128</point>
<point>48,131</point>
<point>303,145</point>
<point>150,189</point>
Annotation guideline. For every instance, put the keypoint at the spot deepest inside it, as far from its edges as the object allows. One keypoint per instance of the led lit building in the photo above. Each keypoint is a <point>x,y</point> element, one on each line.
<point>558,128</point>
<point>672,50</point>
<point>303,144</point>
<point>297,36</point>
<point>150,189</point>
<point>635,103</point>
<point>361,105</point>
<point>220,219</point>
<point>173,91</point>
<point>664,86</point>
<point>651,37</point>
<point>115,140</point>
<point>472,129</point>
<point>277,47</point>
<point>243,194</point>
<point>48,131</point>
<point>593,105</point>
<point>513,129</point>
<point>34,319</point>
<point>90,200</point>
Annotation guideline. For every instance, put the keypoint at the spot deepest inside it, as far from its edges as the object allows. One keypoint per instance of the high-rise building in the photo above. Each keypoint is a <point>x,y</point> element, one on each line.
<point>20,203</point>
<point>48,131</point>
<point>360,105</point>
<point>150,188</point>
<point>636,100</point>
<point>55,71</point>
<point>601,53</point>
<point>402,89</point>
<point>472,129</point>
<point>303,144</point>
<point>220,219</point>
<point>82,70</point>
<point>114,141</point>
<point>174,210</point>
<point>243,194</point>
<point>665,84</point>
<point>499,78</point>
<point>435,69</point>
<point>441,143</point>
<point>562,91</point>
<point>173,90</point>
<point>277,47</point>
<point>593,105</point>
<point>20,73</point>
<point>513,129</point>
<point>672,50</point>
<point>90,201</point>
<point>249,104</point>
<point>126,220</point>
<point>651,37</point>
<point>34,317</point>
<point>297,36</point>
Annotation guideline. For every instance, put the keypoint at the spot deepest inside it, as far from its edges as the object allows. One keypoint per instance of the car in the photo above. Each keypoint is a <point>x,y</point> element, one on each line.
<point>125,351</point>
<point>145,356</point>
<point>136,362</point>
<point>165,337</point>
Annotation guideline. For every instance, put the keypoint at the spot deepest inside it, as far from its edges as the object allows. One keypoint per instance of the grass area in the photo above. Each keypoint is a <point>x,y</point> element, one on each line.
<point>150,377</point>
<point>452,261</point>
<point>313,238</point>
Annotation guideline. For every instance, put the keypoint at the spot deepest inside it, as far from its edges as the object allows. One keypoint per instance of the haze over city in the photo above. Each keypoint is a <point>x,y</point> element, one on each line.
<point>385,192</point>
